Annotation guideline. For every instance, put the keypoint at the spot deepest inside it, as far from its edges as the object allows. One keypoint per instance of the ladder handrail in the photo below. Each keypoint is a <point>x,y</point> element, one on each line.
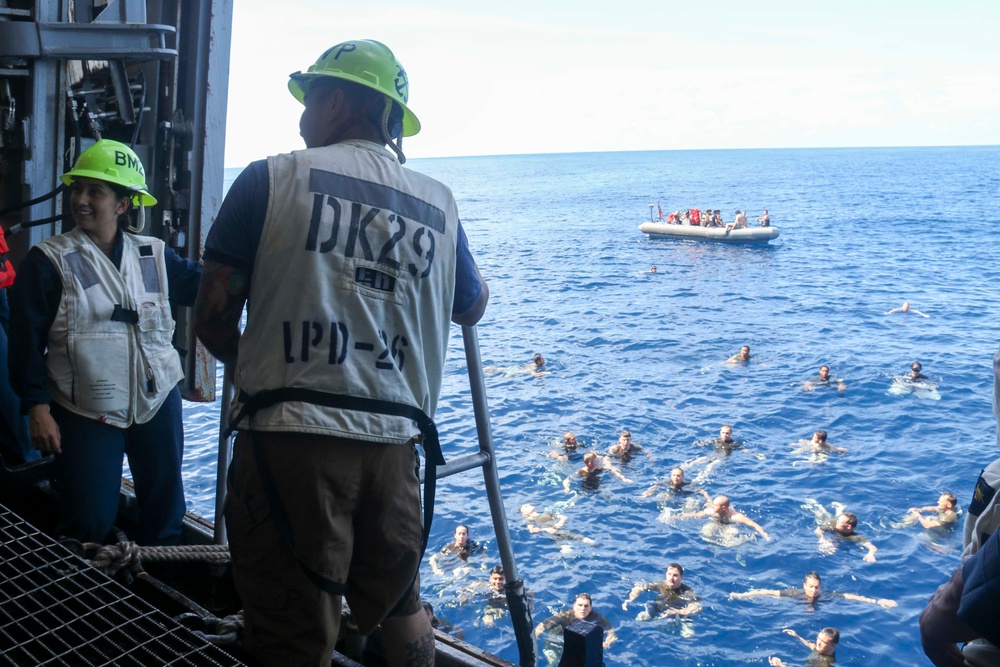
<point>520,613</point>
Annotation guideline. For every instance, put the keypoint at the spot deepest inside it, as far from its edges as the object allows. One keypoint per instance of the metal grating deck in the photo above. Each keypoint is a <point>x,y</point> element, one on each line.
<point>57,610</point>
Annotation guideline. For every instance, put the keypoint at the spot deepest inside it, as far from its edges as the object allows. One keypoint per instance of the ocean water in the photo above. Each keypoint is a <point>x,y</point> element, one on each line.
<point>862,230</point>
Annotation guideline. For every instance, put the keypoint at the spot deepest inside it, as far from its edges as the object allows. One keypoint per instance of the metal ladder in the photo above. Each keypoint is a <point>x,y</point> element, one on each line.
<point>516,598</point>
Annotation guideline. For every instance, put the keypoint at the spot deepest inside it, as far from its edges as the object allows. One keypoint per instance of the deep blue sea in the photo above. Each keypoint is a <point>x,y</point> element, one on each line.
<point>862,230</point>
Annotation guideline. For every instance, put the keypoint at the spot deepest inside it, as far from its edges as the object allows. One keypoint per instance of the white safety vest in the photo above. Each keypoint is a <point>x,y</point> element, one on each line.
<point>351,291</point>
<point>110,355</point>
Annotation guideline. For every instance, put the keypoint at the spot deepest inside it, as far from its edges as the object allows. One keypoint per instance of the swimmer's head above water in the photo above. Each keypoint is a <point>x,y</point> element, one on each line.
<point>677,478</point>
<point>846,523</point>
<point>569,440</point>
<point>582,606</point>
<point>812,586</point>
<point>947,502</point>
<point>539,360</point>
<point>674,576</point>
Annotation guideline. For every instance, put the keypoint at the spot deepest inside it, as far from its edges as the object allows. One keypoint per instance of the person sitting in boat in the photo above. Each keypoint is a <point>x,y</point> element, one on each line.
<point>673,596</point>
<point>843,528</point>
<point>824,379</point>
<point>674,218</point>
<point>694,215</point>
<point>764,220</point>
<point>461,548</point>
<point>739,223</point>
<point>810,593</point>
<point>822,650</point>
<point>91,354</point>
<point>905,308</point>
<point>568,448</point>
<point>717,218</point>
<point>742,356</point>
<point>943,514</point>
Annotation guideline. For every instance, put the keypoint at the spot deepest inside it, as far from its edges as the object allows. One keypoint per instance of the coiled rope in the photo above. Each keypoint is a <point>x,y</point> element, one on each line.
<point>112,558</point>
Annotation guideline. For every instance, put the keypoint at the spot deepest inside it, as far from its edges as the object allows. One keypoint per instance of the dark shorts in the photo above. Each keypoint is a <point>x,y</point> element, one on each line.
<point>354,512</point>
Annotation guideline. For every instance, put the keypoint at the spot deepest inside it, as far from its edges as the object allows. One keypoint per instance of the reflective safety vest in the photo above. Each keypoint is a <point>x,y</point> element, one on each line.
<point>350,295</point>
<point>110,355</point>
<point>6,268</point>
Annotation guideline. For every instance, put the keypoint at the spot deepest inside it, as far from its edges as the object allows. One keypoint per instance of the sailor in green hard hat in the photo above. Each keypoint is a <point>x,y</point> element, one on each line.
<point>352,269</point>
<point>91,353</point>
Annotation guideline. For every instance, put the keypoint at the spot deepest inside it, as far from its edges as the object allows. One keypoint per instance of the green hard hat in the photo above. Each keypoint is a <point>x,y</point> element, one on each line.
<point>365,62</point>
<point>114,162</point>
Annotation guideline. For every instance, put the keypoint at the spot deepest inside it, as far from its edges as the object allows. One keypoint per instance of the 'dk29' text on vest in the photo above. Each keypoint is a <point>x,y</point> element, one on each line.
<point>351,291</point>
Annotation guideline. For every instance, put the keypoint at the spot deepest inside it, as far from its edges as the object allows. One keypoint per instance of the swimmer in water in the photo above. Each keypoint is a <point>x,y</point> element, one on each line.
<point>723,446</point>
<point>461,547</point>
<point>915,374</point>
<point>742,356</point>
<point>812,589</point>
<point>822,650</point>
<point>676,486</point>
<point>493,592</point>
<point>550,523</point>
<point>652,268</point>
<point>843,528</point>
<point>625,450</point>
<point>818,444</point>
<point>905,308</point>
<point>534,368</point>
<point>590,474</point>
<point>440,624</point>
<point>943,513</point>
<point>823,380</point>
<point>720,512</point>
<point>569,447</point>
<point>673,596</point>
<point>583,610</point>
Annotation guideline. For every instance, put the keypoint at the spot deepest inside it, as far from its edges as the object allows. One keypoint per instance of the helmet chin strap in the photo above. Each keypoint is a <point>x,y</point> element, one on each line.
<point>142,214</point>
<point>397,146</point>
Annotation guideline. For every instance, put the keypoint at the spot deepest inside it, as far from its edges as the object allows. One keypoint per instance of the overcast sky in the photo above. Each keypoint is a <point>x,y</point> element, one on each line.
<point>520,76</point>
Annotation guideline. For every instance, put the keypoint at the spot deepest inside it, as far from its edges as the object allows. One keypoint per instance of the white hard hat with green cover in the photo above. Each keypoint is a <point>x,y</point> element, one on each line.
<point>114,162</point>
<point>365,62</point>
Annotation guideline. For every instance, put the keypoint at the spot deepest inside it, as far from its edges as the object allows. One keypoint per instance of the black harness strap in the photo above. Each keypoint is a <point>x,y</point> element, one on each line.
<point>269,397</point>
<point>126,315</point>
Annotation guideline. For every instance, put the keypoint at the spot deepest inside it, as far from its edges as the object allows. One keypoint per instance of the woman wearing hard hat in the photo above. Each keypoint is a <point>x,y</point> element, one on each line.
<point>91,353</point>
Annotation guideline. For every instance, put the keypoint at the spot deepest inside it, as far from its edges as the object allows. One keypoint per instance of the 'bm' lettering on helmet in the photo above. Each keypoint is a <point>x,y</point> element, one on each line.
<point>122,159</point>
